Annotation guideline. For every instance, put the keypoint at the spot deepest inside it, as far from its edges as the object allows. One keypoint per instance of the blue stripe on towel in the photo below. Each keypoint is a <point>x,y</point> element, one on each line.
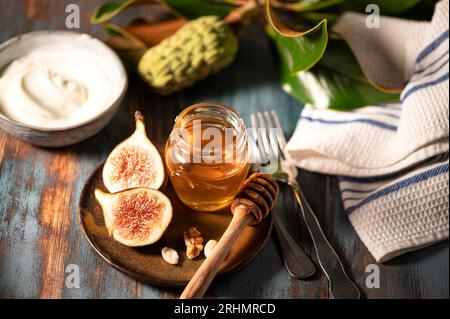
<point>368,180</point>
<point>366,121</point>
<point>401,184</point>
<point>360,191</point>
<point>435,71</point>
<point>432,63</point>
<point>432,46</point>
<point>394,116</point>
<point>423,86</point>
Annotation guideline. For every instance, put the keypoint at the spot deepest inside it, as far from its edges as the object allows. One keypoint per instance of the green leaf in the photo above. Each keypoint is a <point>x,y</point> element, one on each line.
<point>317,17</point>
<point>336,82</point>
<point>108,10</point>
<point>115,30</point>
<point>105,11</point>
<point>235,2</point>
<point>340,59</point>
<point>312,5</point>
<point>192,9</point>
<point>299,50</point>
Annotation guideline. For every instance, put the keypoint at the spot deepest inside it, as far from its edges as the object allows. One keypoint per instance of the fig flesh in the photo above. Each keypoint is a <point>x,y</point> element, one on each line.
<point>135,217</point>
<point>135,162</point>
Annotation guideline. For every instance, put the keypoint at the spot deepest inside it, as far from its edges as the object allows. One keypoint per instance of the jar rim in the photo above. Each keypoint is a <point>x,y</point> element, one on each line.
<point>237,124</point>
<point>207,104</point>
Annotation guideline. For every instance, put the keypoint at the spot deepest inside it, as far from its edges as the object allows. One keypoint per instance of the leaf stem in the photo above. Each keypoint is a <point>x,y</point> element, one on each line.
<point>244,12</point>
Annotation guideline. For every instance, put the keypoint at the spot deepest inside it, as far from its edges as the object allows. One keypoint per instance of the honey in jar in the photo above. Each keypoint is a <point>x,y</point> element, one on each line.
<point>207,156</point>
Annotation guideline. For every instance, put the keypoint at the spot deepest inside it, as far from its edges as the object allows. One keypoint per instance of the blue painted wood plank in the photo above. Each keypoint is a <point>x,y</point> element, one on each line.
<point>20,227</point>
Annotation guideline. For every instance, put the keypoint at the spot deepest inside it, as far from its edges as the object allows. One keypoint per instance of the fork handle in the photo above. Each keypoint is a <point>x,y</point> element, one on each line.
<point>296,261</point>
<point>340,285</point>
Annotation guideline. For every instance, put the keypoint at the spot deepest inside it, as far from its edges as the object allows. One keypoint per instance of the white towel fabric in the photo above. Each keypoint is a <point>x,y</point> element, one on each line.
<point>395,191</point>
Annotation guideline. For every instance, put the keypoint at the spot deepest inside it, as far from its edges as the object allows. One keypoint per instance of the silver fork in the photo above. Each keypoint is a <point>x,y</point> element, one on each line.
<point>270,143</point>
<point>297,263</point>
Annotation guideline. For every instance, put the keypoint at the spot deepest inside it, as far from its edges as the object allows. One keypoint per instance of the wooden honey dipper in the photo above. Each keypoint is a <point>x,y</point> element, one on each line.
<point>254,202</point>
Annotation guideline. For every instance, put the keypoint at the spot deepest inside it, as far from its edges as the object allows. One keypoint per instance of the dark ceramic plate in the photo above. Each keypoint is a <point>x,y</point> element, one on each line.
<point>146,263</point>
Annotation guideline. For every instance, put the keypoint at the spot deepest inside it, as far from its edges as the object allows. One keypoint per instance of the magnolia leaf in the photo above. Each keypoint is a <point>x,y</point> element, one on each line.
<point>108,10</point>
<point>317,17</point>
<point>386,6</point>
<point>311,5</point>
<point>299,50</point>
<point>339,58</point>
<point>115,30</point>
<point>236,2</point>
<point>192,9</point>
<point>336,82</point>
<point>243,14</point>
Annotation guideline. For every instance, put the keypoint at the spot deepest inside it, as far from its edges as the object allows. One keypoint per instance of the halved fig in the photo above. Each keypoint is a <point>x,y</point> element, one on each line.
<point>135,217</point>
<point>135,162</point>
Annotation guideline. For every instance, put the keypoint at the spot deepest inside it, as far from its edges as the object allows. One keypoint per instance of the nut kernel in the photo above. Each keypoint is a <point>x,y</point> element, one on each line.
<point>209,247</point>
<point>194,242</point>
<point>170,255</point>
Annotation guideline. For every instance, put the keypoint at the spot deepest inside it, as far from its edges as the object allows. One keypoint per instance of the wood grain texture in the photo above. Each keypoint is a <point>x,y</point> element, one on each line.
<point>39,189</point>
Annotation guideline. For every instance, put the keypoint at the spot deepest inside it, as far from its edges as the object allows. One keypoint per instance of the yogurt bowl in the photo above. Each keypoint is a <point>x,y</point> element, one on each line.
<point>58,87</point>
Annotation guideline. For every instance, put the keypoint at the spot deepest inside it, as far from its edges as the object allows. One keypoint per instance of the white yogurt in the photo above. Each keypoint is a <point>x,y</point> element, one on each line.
<point>56,86</point>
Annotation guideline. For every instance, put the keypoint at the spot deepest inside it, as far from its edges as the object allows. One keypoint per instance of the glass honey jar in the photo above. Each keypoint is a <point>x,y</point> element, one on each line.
<point>207,155</point>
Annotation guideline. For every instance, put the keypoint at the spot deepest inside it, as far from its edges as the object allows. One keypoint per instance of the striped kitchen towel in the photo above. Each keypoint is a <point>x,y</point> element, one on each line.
<point>393,158</point>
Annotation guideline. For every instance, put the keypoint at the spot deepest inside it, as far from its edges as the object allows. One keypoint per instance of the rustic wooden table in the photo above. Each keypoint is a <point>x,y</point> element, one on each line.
<point>39,189</point>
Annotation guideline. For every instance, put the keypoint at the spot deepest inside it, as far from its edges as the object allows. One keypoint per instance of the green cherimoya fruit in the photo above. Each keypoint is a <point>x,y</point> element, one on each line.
<point>198,49</point>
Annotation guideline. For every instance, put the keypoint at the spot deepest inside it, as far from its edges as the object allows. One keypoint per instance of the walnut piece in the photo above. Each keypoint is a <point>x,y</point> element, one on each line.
<point>194,242</point>
<point>209,247</point>
<point>170,255</point>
